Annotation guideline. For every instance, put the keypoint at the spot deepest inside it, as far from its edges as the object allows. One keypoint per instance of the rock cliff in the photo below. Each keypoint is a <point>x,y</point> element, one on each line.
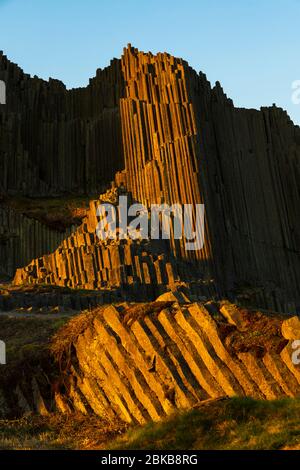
<point>158,129</point>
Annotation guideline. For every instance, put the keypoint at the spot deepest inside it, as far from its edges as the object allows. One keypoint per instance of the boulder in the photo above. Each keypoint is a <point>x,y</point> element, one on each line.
<point>290,328</point>
<point>175,296</point>
<point>233,315</point>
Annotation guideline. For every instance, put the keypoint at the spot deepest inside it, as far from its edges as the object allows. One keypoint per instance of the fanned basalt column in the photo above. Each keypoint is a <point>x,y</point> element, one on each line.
<point>141,362</point>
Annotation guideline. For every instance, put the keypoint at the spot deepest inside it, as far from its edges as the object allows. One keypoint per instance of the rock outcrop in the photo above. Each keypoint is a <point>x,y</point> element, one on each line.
<point>182,142</point>
<point>140,362</point>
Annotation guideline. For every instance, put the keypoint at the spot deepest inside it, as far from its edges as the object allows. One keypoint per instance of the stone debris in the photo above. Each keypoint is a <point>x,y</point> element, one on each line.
<point>138,269</point>
<point>176,296</point>
<point>233,315</point>
<point>291,328</point>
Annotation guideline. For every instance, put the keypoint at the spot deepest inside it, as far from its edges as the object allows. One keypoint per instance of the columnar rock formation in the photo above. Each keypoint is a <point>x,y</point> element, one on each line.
<point>138,269</point>
<point>141,365</point>
<point>185,142</point>
<point>182,142</point>
<point>159,137</point>
<point>250,172</point>
<point>141,362</point>
<point>22,237</point>
<point>53,140</point>
<point>83,261</point>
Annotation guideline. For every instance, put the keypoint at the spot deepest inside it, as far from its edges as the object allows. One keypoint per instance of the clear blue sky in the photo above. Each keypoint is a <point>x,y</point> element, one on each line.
<point>251,46</point>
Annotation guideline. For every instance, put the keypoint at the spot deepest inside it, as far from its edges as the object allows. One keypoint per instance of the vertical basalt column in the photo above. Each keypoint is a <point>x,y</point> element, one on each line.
<point>185,142</point>
<point>249,162</point>
<point>54,140</point>
<point>160,139</point>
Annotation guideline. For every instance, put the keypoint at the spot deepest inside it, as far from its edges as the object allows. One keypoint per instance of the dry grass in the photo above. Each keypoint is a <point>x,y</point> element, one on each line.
<point>63,340</point>
<point>261,333</point>
<point>56,431</point>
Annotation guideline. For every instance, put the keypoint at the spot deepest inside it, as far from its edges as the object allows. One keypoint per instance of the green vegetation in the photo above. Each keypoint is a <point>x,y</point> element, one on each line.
<point>237,423</point>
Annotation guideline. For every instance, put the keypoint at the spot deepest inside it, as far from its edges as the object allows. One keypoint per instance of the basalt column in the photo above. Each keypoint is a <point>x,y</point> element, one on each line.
<point>155,125</point>
<point>249,161</point>
<point>54,140</point>
<point>159,139</point>
<point>185,142</point>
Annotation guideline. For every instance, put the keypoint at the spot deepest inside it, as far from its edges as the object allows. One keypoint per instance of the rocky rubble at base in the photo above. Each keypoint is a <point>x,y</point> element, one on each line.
<point>131,269</point>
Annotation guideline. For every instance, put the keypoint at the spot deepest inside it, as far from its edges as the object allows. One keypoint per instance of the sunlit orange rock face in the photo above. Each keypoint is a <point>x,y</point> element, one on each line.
<point>142,362</point>
<point>158,129</point>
